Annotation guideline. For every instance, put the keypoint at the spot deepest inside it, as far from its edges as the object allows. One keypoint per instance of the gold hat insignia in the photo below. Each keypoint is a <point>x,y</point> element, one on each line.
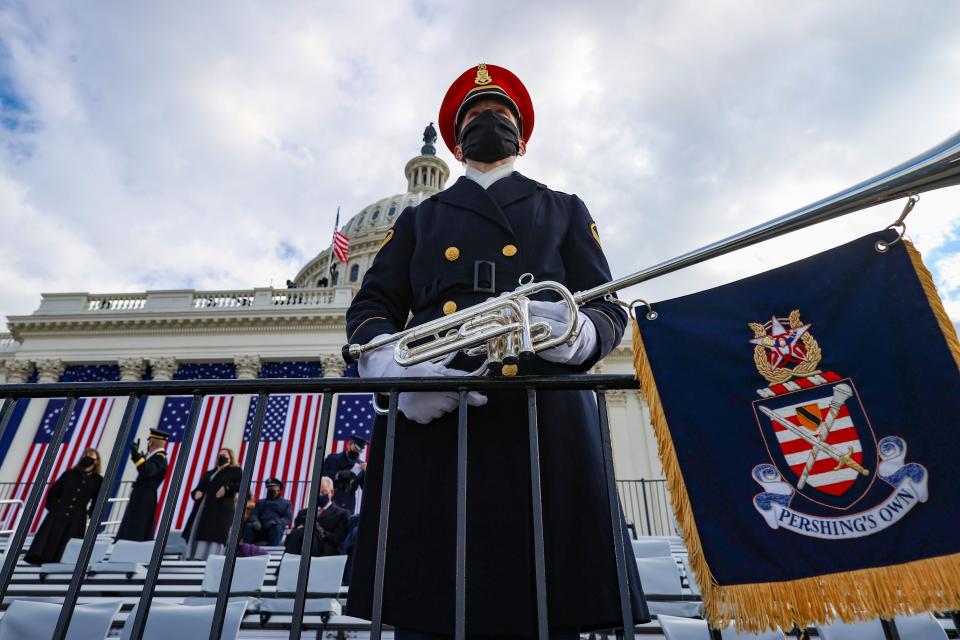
<point>483,76</point>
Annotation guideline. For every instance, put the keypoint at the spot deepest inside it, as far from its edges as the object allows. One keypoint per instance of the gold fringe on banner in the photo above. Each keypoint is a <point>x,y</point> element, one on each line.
<point>931,584</point>
<point>936,305</point>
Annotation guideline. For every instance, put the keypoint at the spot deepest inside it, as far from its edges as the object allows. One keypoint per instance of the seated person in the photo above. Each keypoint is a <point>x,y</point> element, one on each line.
<point>330,529</point>
<point>270,516</point>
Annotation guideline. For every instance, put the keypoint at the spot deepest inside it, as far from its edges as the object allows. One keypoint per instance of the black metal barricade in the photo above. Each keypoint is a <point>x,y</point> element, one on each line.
<point>136,391</point>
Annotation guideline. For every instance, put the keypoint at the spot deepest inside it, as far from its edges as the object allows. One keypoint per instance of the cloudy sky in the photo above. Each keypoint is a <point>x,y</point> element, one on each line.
<point>162,145</point>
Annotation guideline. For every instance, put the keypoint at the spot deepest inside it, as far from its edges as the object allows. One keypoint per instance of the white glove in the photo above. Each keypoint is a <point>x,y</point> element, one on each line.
<point>419,406</point>
<point>556,314</point>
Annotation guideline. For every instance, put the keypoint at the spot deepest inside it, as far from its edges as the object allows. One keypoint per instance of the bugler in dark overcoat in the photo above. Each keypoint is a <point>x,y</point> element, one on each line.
<point>138,519</point>
<point>426,266</point>
<point>339,468</point>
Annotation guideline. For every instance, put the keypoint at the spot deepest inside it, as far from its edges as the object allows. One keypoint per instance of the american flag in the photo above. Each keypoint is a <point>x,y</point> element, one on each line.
<point>355,417</point>
<point>287,443</point>
<point>84,430</point>
<point>341,243</point>
<point>211,425</point>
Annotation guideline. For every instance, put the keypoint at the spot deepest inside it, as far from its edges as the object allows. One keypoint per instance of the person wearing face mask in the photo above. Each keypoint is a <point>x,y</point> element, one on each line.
<point>140,514</point>
<point>330,530</point>
<point>69,502</point>
<point>348,473</point>
<point>270,517</point>
<point>468,243</point>
<point>214,499</point>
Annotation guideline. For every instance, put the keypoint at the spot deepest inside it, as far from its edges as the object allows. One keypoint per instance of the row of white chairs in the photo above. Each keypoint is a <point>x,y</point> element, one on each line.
<point>661,570</point>
<point>26,619</point>
<point>30,620</point>
<point>918,627</point>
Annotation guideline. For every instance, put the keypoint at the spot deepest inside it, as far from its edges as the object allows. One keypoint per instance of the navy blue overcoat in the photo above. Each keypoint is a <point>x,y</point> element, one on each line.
<point>426,264</point>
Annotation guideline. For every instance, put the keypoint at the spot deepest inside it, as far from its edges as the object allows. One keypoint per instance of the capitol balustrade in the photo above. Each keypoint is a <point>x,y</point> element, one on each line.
<point>7,343</point>
<point>190,300</point>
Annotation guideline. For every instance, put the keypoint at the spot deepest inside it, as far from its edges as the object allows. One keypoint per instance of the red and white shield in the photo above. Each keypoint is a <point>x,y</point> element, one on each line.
<point>823,476</point>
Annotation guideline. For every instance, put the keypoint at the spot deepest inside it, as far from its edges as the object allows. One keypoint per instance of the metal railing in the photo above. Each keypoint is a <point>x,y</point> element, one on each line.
<point>646,506</point>
<point>136,391</point>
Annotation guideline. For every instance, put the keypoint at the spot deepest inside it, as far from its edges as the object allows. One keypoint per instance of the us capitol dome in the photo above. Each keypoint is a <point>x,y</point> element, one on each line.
<point>426,175</point>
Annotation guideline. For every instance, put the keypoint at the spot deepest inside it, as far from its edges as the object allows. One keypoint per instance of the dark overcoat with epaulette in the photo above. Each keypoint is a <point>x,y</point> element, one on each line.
<point>339,468</point>
<point>139,517</point>
<point>428,261</point>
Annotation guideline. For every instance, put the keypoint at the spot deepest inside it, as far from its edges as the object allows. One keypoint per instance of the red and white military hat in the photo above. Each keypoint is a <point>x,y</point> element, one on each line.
<point>484,81</point>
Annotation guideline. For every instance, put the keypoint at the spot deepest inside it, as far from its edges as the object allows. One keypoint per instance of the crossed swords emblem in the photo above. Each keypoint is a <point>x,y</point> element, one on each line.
<point>818,440</point>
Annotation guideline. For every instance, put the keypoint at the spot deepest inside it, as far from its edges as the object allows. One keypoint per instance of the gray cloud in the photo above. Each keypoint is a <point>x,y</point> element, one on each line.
<point>208,145</point>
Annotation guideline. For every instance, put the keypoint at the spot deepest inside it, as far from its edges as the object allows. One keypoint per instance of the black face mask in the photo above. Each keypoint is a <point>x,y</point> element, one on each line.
<point>87,461</point>
<point>353,455</point>
<point>489,137</point>
<point>222,460</point>
<point>272,493</point>
<point>323,500</point>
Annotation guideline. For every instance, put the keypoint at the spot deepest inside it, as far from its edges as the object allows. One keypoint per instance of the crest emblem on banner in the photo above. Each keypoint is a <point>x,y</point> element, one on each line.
<point>824,454</point>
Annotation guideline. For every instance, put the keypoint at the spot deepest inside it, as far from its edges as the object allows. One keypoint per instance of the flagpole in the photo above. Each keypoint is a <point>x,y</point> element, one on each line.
<point>333,239</point>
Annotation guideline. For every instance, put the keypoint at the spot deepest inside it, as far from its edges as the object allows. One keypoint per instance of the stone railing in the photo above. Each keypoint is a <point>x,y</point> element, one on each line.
<point>190,300</point>
<point>7,343</point>
<point>116,302</point>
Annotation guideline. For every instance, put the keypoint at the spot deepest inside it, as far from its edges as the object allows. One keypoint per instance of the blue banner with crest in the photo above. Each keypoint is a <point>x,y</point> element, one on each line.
<point>808,423</point>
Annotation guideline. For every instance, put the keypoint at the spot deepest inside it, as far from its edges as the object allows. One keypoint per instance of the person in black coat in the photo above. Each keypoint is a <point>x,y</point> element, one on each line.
<point>69,503</point>
<point>270,516</point>
<point>347,472</point>
<point>332,525</point>
<point>214,499</point>
<point>141,512</point>
<point>456,249</point>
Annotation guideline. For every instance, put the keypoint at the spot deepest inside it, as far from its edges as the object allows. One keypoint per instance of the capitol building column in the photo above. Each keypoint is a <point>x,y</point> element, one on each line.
<point>18,372</point>
<point>49,370</point>
<point>161,368</point>
<point>248,368</point>
<point>131,370</point>
<point>333,367</point>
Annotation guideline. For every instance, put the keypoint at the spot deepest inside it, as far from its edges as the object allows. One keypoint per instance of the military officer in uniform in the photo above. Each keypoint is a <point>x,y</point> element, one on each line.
<point>459,247</point>
<point>347,472</point>
<point>138,519</point>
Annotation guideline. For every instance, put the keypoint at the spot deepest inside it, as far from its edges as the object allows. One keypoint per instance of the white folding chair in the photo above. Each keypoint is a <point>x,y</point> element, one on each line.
<point>30,620</point>
<point>68,561</point>
<point>326,576</point>
<point>691,577</point>
<point>651,548</point>
<point>661,577</point>
<point>675,628</point>
<point>865,630</point>
<point>186,622</point>
<point>175,543</point>
<point>732,634</point>
<point>693,629</point>
<point>919,627</point>
<point>248,577</point>
<point>127,556</point>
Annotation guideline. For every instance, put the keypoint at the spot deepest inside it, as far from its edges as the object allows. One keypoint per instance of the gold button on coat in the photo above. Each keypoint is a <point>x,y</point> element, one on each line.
<point>509,250</point>
<point>449,307</point>
<point>451,254</point>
